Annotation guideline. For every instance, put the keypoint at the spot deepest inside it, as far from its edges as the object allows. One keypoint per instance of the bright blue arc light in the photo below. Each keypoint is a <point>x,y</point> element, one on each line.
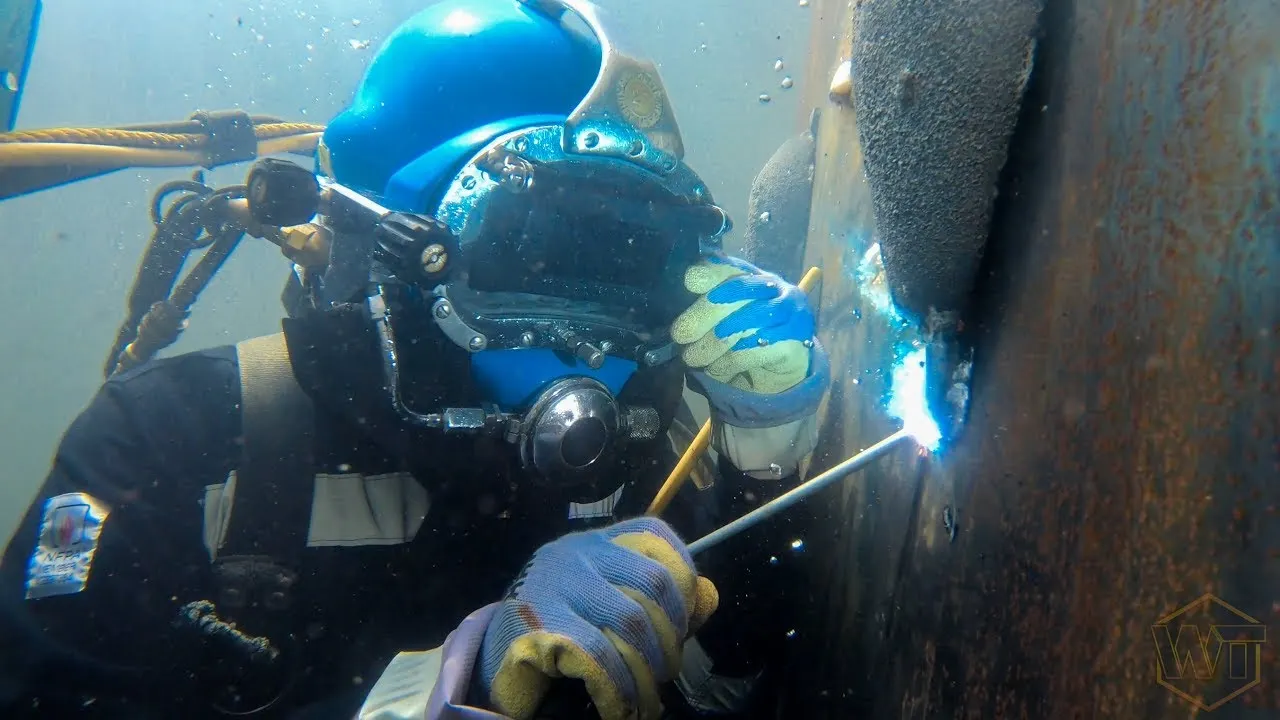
<point>908,402</point>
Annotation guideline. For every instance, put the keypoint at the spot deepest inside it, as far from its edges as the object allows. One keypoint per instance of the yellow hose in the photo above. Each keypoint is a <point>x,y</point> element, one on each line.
<point>106,136</point>
<point>37,154</point>
<point>702,440</point>
<point>153,140</point>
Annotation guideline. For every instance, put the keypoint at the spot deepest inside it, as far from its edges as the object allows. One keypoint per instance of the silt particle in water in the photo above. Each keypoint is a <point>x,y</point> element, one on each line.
<point>787,83</point>
<point>764,98</point>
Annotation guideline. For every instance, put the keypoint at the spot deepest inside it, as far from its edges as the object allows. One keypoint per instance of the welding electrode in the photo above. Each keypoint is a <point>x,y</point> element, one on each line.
<point>800,492</point>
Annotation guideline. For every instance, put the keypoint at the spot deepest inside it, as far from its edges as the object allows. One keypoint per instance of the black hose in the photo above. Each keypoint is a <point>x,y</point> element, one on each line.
<point>156,311</point>
<point>201,275</point>
<point>195,185</point>
<point>176,232</point>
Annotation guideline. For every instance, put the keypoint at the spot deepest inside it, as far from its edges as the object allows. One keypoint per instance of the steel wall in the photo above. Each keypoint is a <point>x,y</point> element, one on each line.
<point>1122,457</point>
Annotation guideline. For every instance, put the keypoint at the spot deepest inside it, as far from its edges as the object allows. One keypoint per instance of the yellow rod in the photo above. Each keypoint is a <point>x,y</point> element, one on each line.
<point>702,440</point>
<point>676,479</point>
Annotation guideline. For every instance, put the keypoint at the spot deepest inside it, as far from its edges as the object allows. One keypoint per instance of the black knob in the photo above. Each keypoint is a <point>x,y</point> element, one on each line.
<point>282,193</point>
<point>415,248</point>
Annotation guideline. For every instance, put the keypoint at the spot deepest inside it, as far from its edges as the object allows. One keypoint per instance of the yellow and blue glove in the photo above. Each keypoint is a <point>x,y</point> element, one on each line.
<point>749,343</point>
<point>611,607</point>
<point>750,328</point>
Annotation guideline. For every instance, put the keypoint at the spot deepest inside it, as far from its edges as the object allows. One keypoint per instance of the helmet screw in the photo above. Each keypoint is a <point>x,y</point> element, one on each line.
<point>476,343</point>
<point>434,257</point>
<point>443,310</point>
<point>527,338</point>
<point>808,343</point>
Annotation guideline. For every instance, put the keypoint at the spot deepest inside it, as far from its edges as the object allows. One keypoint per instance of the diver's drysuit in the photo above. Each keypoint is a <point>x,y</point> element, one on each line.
<point>315,585</point>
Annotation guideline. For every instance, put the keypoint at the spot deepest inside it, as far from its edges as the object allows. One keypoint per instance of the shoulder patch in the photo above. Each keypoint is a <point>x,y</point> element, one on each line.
<point>69,530</point>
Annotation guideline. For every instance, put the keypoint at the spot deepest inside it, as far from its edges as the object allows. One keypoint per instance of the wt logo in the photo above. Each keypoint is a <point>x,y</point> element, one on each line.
<point>1208,652</point>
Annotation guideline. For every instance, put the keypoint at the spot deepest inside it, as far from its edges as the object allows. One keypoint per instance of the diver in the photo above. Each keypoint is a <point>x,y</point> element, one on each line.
<point>456,434</point>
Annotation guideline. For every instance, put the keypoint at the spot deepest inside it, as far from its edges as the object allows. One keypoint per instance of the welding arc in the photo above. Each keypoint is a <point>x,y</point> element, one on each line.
<point>798,493</point>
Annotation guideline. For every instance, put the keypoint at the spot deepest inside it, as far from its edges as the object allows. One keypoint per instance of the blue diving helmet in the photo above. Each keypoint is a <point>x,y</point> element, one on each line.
<point>550,156</point>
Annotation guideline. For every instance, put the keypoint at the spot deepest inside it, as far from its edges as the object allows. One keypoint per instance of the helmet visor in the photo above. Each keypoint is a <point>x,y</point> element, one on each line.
<point>587,235</point>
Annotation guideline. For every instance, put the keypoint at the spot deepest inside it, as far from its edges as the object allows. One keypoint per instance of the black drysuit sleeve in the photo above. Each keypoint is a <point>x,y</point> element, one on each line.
<point>145,448</point>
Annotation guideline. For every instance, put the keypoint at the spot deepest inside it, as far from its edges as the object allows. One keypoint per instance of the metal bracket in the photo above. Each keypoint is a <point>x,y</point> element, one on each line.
<point>660,355</point>
<point>462,334</point>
